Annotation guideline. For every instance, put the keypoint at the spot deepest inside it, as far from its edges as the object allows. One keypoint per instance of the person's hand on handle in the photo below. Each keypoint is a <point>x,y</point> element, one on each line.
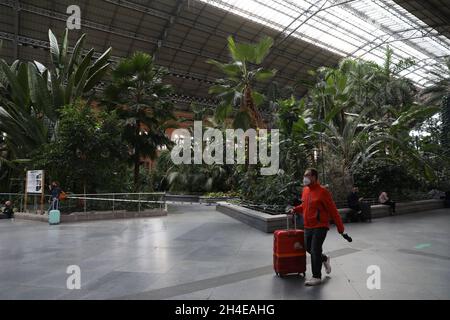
<point>289,210</point>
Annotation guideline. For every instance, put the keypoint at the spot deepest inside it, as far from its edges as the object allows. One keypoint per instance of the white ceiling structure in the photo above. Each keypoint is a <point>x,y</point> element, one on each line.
<point>355,28</point>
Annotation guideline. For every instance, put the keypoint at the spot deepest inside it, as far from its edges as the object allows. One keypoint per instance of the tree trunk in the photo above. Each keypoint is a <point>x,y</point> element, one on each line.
<point>251,108</point>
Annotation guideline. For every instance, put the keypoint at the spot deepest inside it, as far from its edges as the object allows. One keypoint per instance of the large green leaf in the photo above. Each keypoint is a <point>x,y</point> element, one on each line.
<point>232,49</point>
<point>258,98</point>
<point>101,62</point>
<point>39,91</point>
<point>69,90</point>
<point>96,77</point>
<point>264,74</point>
<point>22,77</point>
<point>246,52</point>
<point>63,55</point>
<point>54,49</point>
<point>218,89</point>
<point>17,92</point>
<point>223,111</point>
<point>83,67</point>
<point>57,91</point>
<point>334,112</point>
<point>76,55</point>
<point>262,49</point>
<point>80,85</point>
<point>407,118</point>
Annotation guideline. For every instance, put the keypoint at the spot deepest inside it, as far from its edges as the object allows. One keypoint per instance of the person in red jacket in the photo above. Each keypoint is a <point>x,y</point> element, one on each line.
<point>318,208</point>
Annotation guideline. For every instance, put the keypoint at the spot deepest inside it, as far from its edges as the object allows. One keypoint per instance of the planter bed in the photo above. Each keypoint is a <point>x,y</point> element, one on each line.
<point>269,223</point>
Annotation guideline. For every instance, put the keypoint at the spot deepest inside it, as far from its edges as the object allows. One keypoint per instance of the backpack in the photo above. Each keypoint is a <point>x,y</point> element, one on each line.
<point>62,196</point>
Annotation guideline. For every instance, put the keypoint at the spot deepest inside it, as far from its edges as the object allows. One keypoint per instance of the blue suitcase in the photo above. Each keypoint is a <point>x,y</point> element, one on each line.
<point>54,217</point>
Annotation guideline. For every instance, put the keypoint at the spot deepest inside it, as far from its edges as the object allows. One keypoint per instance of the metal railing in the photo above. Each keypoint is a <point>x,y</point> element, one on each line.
<point>103,202</point>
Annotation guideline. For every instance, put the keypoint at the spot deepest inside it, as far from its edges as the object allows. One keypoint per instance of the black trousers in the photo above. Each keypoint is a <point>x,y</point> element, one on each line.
<point>314,239</point>
<point>360,212</point>
<point>391,204</point>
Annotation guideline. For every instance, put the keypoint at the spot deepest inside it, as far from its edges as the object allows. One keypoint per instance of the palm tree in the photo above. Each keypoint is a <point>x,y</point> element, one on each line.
<point>142,100</point>
<point>356,85</point>
<point>434,93</point>
<point>237,89</point>
<point>354,144</point>
<point>439,93</point>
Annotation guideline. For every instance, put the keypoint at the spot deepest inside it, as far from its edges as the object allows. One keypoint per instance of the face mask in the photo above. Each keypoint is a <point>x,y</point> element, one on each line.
<point>306,181</point>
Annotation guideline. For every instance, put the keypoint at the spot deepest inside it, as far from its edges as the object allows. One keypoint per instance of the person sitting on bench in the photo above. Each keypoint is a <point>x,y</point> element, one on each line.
<point>385,200</point>
<point>360,211</point>
<point>8,212</point>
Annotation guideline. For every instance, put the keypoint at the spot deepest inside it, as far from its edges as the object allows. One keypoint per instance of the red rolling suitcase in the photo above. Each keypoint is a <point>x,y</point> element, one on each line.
<point>289,254</point>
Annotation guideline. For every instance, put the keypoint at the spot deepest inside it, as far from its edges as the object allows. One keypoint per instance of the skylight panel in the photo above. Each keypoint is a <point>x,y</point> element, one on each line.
<point>361,28</point>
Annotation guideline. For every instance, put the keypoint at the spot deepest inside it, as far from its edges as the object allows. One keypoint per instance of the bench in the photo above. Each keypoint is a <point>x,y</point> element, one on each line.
<point>269,223</point>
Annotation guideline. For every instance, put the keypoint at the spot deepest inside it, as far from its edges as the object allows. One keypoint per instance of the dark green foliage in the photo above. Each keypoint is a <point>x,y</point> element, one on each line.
<point>397,180</point>
<point>445,116</point>
<point>88,153</point>
<point>142,100</point>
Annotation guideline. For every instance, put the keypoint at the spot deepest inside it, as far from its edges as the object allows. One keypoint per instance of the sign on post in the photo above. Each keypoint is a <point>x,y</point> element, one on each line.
<point>35,185</point>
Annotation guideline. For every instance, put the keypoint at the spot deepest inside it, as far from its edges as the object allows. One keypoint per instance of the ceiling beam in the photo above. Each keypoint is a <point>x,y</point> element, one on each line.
<point>165,32</point>
<point>16,17</point>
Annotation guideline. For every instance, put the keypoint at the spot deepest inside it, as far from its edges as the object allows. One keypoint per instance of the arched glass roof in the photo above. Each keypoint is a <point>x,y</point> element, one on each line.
<point>352,28</point>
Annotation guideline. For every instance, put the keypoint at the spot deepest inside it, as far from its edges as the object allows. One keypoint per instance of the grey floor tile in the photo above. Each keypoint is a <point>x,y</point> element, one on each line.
<point>198,253</point>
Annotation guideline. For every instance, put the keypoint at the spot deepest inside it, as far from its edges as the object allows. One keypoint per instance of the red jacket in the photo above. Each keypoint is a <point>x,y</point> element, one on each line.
<point>318,208</point>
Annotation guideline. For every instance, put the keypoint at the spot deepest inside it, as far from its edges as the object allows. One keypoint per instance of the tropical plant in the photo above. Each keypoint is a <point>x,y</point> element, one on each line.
<point>142,100</point>
<point>438,88</point>
<point>88,153</point>
<point>355,143</point>
<point>23,120</point>
<point>439,93</point>
<point>236,91</point>
<point>73,76</point>
<point>32,94</point>
<point>294,120</point>
<point>356,85</point>
<point>187,178</point>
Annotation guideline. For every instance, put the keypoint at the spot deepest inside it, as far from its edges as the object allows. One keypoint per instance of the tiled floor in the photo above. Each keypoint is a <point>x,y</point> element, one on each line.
<point>198,253</point>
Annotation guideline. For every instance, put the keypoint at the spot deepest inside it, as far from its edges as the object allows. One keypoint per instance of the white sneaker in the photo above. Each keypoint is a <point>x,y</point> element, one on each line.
<point>327,265</point>
<point>313,282</point>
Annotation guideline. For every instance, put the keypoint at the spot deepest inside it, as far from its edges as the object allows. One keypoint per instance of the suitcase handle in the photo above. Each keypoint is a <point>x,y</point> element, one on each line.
<point>55,200</point>
<point>287,220</point>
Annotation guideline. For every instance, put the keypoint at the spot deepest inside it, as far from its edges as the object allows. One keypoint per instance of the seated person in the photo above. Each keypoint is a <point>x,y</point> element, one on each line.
<point>8,212</point>
<point>360,210</point>
<point>436,194</point>
<point>385,200</point>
